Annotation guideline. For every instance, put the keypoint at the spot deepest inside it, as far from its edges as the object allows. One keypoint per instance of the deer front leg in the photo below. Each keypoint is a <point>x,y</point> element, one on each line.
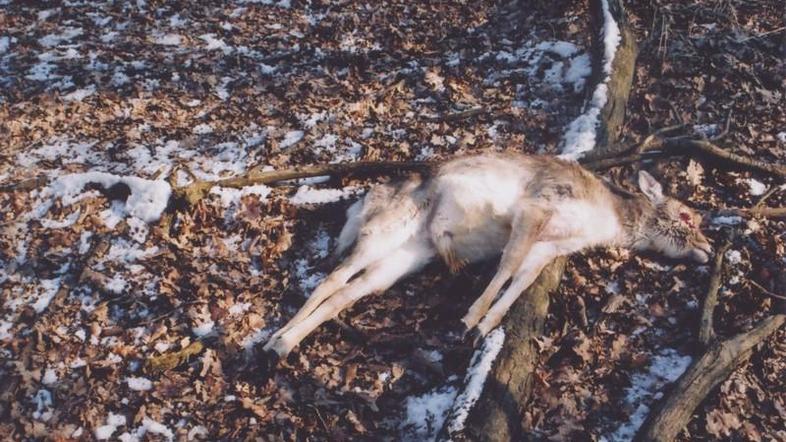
<point>540,255</point>
<point>527,227</point>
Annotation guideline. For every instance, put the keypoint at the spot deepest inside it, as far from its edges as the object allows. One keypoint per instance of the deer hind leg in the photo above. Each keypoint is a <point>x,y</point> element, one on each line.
<point>526,229</point>
<point>377,235</point>
<point>333,282</point>
<point>540,255</point>
<point>378,277</point>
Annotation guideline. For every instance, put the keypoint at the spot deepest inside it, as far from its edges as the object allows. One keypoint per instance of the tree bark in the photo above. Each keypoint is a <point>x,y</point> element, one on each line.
<point>612,115</point>
<point>706,327</point>
<point>497,414</point>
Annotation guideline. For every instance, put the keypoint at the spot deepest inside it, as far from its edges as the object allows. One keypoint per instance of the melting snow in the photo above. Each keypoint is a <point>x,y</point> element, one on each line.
<point>427,413</point>
<point>308,195</point>
<point>291,138</point>
<point>475,378</point>
<point>147,201</point>
<point>139,384</point>
<point>80,94</point>
<point>666,366</point>
<point>112,422</point>
<point>581,134</point>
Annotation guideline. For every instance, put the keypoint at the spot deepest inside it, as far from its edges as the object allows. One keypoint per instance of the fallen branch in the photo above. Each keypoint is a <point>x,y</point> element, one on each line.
<point>81,268</point>
<point>456,116</point>
<point>713,367</point>
<point>679,144</point>
<point>767,212</point>
<point>706,328</point>
<point>25,185</point>
<point>193,192</point>
<point>171,360</point>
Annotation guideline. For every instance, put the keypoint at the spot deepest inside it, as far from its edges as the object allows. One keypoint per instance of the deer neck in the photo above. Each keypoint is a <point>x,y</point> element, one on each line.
<point>634,212</point>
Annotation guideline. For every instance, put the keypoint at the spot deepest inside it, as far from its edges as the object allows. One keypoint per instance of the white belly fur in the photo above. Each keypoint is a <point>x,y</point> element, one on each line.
<point>478,208</point>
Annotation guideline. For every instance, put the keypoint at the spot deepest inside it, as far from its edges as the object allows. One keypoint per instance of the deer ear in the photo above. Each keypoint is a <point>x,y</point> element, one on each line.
<point>650,187</point>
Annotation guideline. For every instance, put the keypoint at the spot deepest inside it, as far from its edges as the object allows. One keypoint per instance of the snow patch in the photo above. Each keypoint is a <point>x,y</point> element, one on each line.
<point>147,201</point>
<point>80,94</point>
<point>581,134</point>
<point>203,328</point>
<point>148,426</point>
<point>318,248</point>
<point>167,39</point>
<point>756,187</point>
<point>727,220</point>
<point>202,129</point>
<point>112,422</point>
<point>139,384</point>
<point>427,413</point>
<point>480,365</point>
<point>214,43</point>
<point>53,40</point>
<point>49,377</point>
<point>666,366</point>
<point>291,138</point>
<point>308,195</point>
<point>231,197</point>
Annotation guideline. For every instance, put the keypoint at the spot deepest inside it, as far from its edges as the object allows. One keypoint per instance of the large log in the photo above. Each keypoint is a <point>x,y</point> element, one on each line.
<point>612,116</point>
<point>497,414</point>
<point>706,327</point>
<point>712,368</point>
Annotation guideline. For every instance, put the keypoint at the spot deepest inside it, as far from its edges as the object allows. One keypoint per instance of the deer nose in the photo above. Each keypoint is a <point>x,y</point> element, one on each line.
<point>702,252</point>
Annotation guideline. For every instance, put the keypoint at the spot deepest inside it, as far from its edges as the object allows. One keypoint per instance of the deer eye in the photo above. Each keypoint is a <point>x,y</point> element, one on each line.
<point>686,218</point>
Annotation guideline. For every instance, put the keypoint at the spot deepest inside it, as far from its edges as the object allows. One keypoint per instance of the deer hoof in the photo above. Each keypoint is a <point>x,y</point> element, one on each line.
<point>473,336</point>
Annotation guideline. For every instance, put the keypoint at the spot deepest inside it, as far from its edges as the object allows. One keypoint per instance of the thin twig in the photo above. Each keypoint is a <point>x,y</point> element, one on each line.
<point>319,416</point>
<point>455,116</point>
<point>726,127</point>
<point>767,212</point>
<point>766,196</point>
<point>765,291</point>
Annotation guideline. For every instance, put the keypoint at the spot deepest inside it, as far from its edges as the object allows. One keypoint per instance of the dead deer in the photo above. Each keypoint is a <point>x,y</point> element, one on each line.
<point>530,209</point>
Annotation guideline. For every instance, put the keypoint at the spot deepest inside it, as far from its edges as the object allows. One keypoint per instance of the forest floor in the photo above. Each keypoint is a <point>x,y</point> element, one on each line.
<point>95,288</point>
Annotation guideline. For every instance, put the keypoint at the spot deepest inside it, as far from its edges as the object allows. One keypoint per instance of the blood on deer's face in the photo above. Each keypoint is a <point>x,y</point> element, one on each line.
<point>673,229</point>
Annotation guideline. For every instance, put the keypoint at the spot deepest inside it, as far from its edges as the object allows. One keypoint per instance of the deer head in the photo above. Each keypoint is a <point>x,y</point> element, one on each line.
<point>668,226</point>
